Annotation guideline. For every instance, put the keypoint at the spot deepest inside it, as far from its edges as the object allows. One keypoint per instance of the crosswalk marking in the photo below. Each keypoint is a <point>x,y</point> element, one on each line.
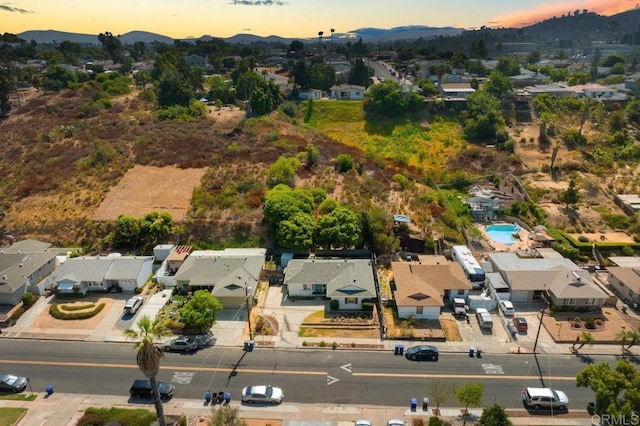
<point>492,369</point>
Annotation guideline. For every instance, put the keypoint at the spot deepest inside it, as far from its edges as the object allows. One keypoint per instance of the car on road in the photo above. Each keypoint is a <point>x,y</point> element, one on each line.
<point>422,353</point>
<point>141,388</point>
<point>521,324</point>
<point>538,398</point>
<point>181,344</point>
<point>395,422</point>
<point>262,394</point>
<point>362,422</point>
<point>12,383</point>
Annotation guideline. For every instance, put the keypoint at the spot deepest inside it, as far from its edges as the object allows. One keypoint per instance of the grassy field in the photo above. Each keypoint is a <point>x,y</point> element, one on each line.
<point>421,144</point>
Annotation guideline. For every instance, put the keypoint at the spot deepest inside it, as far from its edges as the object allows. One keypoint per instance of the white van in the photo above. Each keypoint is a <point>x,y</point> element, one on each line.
<point>133,304</point>
<point>484,318</point>
<point>538,398</point>
<point>507,308</point>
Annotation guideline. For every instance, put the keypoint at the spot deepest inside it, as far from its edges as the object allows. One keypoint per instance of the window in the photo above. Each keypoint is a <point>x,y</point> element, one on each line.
<point>306,286</point>
<point>569,301</point>
<point>350,300</point>
<point>419,310</point>
<point>590,301</point>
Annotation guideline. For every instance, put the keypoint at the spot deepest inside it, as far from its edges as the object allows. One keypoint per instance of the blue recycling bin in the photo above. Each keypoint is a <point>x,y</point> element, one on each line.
<point>479,352</point>
<point>248,345</point>
<point>207,397</point>
<point>471,351</point>
<point>414,404</point>
<point>399,350</point>
<point>49,389</point>
<point>227,397</point>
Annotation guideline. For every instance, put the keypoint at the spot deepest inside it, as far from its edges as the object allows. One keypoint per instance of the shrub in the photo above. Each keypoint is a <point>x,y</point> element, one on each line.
<point>367,305</point>
<point>583,239</point>
<point>334,305</point>
<point>323,343</point>
<point>289,109</point>
<point>71,308</point>
<point>590,323</point>
<point>28,299</point>
<point>344,163</point>
<point>55,312</point>
<point>334,345</point>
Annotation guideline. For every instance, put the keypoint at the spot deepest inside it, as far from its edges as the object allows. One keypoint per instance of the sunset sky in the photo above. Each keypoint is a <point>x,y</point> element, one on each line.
<point>287,18</point>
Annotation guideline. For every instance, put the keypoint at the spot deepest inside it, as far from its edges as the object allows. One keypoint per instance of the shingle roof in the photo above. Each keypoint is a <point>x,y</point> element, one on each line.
<point>343,277</point>
<point>630,277</point>
<point>424,284</point>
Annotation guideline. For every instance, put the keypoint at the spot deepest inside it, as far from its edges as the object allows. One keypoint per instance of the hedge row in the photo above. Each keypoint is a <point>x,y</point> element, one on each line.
<point>55,312</point>
<point>77,307</point>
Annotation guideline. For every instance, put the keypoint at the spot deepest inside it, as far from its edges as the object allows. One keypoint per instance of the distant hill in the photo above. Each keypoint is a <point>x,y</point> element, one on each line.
<point>370,34</point>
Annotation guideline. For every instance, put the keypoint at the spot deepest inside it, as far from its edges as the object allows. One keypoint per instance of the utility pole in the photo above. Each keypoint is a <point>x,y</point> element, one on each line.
<point>246,294</point>
<point>320,37</point>
<point>546,303</point>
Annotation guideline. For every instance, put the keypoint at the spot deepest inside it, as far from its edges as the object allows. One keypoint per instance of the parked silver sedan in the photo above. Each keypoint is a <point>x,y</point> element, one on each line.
<point>181,344</point>
<point>12,383</point>
<point>262,395</point>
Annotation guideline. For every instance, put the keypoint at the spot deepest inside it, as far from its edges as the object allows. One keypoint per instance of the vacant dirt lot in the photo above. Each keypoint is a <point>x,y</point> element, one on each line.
<point>147,189</point>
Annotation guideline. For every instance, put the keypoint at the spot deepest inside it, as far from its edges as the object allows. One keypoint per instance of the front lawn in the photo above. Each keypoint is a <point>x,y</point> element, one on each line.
<point>10,415</point>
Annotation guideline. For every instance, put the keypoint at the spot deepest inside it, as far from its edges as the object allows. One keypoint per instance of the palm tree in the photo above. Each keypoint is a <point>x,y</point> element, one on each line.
<point>585,338</point>
<point>331,48</point>
<point>148,354</point>
<point>627,338</point>
<point>320,37</point>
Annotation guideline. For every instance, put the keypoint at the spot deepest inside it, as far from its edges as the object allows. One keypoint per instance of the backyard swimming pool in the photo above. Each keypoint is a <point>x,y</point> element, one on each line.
<point>502,234</point>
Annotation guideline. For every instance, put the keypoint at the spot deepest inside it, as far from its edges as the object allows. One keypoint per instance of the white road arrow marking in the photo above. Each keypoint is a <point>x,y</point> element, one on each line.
<point>492,369</point>
<point>331,380</point>
<point>347,368</point>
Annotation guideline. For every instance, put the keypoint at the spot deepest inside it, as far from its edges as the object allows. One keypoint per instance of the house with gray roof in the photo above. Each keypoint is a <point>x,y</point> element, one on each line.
<point>101,273</point>
<point>347,92</point>
<point>20,271</point>
<point>625,282</point>
<point>231,274</point>
<point>557,278</point>
<point>349,281</point>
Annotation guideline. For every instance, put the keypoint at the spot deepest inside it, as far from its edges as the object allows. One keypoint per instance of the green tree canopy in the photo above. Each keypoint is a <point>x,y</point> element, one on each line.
<point>282,202</point>
<point>508,65</point>
<point>388,99</point>
<point>339,229</point>
<point>57,77</point>
<point>470,394</point>
<point>296,233</point>
<point>485,118</point>
<point>126,232</point>
<point>283,171</point>
<point>498,85</point>
<point>173,89</point>
<point>200,311</point>
<point>617,391</point>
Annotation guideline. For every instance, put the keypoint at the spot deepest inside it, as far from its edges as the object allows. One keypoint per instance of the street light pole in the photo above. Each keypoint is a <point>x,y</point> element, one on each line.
<point>246,294</point>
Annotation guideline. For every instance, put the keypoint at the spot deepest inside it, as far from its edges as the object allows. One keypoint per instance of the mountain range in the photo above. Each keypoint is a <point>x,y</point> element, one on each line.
<point>368,34</point>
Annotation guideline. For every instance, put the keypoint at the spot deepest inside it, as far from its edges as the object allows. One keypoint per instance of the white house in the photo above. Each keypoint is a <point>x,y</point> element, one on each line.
<point>347,92</point>
<point>313,94</point>
<point>349,281</point>
<point>101,273</point>
<point>230,274</point>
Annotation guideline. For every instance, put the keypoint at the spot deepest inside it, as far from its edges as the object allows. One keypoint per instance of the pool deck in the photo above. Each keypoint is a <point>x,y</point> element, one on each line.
<point>523,244</point>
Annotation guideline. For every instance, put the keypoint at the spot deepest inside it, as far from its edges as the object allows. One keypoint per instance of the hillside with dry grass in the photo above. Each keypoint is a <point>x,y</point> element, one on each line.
<point>68,169</point>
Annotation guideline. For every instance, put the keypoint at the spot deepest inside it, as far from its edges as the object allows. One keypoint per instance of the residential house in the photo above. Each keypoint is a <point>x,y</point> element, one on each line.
<point>552,276</point>
<point>20,271</point>
<point>347,92</point>
<point>423,287</point>
<point>313,94</point>
<point>196,60</point>
<point>101,273</point>
<point>456,90</point>
<point>349,281</point>
<point>625,282</point>
<point>593,90</point>
<point>232,275</point>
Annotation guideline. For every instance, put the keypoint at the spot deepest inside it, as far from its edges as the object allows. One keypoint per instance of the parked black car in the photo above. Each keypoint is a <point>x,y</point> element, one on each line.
<point>141,388</point>
<point>422,353</point>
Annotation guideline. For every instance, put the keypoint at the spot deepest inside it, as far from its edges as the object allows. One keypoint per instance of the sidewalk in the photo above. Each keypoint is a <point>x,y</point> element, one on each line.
<point>66,409</point>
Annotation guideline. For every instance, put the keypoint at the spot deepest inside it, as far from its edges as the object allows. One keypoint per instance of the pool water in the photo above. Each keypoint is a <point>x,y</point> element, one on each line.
<point>502,234</point>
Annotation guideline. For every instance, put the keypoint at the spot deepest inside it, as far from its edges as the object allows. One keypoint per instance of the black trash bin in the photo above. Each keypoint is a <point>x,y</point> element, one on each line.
<point>591,408</point>
<point>425,404</point>
<point>399,350</point>
<point>479,352</point>
<point>220,397</point>
<point>248,345</point>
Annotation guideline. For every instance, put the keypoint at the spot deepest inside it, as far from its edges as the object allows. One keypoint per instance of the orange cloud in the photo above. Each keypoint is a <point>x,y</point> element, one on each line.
<point>545,11</point>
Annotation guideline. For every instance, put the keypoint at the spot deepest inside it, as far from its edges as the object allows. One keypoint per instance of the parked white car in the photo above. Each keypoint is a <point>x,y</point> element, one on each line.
<point>507,308</point>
